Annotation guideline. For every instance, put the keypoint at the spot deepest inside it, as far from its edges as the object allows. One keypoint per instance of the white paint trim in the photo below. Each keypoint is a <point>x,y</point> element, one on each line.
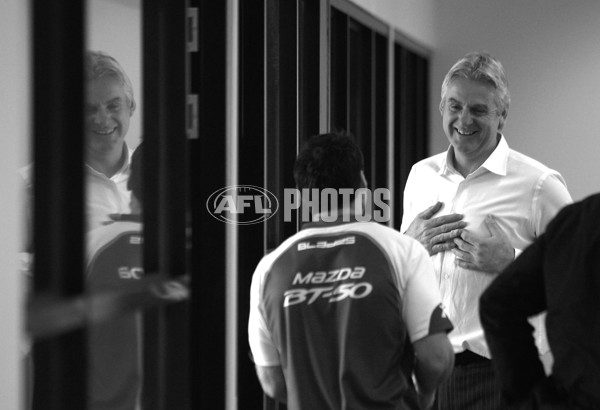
<point>391,122</point>
<point>231,232</point>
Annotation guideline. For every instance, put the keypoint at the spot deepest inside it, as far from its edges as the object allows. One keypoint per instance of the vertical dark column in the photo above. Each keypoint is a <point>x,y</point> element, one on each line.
<point>380,113</point>
<point>411,115</point>
<point>166,335</point>
<point>251,172</point>
<point>401,102</point>
<point>422,103</point>
<point>281,108</point>
<point>309,21</point>
<point>58,137</point>
<point>360,90</point>
<point>207,174</point>
<point>339,70</point>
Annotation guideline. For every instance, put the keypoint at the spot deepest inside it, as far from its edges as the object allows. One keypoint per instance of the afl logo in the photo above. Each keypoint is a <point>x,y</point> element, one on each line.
<point>242,204</point>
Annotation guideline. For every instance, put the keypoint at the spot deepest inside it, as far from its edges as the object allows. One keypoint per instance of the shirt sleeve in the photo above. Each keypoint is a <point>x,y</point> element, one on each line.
<point>550,197</point>
<point>422,309</point>
<point>264,352</point>
<point>508,332</point>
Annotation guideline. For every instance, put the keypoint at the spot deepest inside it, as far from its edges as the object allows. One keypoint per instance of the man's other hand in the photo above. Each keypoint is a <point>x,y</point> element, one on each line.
<point>491,254</point>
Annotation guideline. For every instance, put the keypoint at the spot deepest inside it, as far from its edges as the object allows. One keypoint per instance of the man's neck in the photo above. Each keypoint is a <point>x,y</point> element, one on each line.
<point>343,214</point>
<point>466,164</point>
<point>107,164</point>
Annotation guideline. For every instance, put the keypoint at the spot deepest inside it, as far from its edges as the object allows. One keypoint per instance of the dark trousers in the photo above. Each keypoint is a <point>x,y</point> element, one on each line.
<point>472,386</point>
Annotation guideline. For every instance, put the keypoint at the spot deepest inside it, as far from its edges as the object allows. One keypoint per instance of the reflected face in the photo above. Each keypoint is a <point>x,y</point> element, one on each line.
<point>107,115</point>
<point>471,118</point>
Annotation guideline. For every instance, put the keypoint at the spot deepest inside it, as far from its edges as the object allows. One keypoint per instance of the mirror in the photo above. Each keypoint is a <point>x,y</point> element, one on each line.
<point>114,26</point>
<point>114,263</point>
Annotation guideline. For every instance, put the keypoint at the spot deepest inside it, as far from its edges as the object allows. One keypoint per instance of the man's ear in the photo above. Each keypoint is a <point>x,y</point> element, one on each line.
<point>502,120</point>
<point>132,107</point>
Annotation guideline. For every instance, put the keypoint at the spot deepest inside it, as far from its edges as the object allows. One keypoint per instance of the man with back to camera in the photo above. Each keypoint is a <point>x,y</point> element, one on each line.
<point>492,202</point>
<point>558,274</point>
<point>114,262</point>
<point>337,310</point>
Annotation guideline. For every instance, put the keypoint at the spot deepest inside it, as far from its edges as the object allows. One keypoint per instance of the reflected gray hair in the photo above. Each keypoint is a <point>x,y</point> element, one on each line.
<point>480,66</point>
<point>99,64</point>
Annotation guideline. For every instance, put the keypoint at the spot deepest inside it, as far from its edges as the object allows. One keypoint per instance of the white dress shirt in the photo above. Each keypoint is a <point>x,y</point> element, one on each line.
<point>523,195</point>
<point>105,196</point>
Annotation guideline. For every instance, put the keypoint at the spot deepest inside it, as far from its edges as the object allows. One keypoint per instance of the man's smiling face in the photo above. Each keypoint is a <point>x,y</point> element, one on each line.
<point>471,118</point>
<point>107,115</point>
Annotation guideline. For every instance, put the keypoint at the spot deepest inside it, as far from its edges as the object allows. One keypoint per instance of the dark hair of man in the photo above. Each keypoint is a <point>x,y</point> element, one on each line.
<point>134,183</point>
<point>331,160</point>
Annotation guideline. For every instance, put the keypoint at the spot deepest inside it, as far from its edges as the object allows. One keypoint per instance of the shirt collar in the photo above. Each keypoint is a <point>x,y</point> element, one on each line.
<point>496,162</point>
<point>126,152</point>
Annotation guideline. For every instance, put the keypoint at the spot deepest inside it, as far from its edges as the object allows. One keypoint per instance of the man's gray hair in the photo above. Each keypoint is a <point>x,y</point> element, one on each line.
<point>480,66</point>
<point>99,64</point>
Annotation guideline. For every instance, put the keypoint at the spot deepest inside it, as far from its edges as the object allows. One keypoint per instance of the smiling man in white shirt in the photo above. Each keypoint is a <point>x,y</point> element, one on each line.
<point>109,106</point>
<point>489,203</point>
<point>108,109</point>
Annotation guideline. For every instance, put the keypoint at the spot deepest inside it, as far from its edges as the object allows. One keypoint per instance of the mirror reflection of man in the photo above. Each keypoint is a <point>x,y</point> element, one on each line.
<point>114,256</point>
<point>109,107</point>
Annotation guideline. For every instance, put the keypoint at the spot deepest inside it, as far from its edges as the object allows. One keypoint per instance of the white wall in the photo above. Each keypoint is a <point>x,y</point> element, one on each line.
<point>414,18</point>
<point>551,52</point>
<point>114,26</point>
<point>14,117</point>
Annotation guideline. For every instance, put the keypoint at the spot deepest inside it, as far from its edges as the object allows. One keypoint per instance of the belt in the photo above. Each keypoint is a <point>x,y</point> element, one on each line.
<point>468,357</point>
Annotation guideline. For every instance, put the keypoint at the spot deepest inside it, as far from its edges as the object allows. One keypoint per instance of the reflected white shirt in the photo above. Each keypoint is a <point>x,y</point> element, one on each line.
<point>523,195</point>
<point>105,195</point>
